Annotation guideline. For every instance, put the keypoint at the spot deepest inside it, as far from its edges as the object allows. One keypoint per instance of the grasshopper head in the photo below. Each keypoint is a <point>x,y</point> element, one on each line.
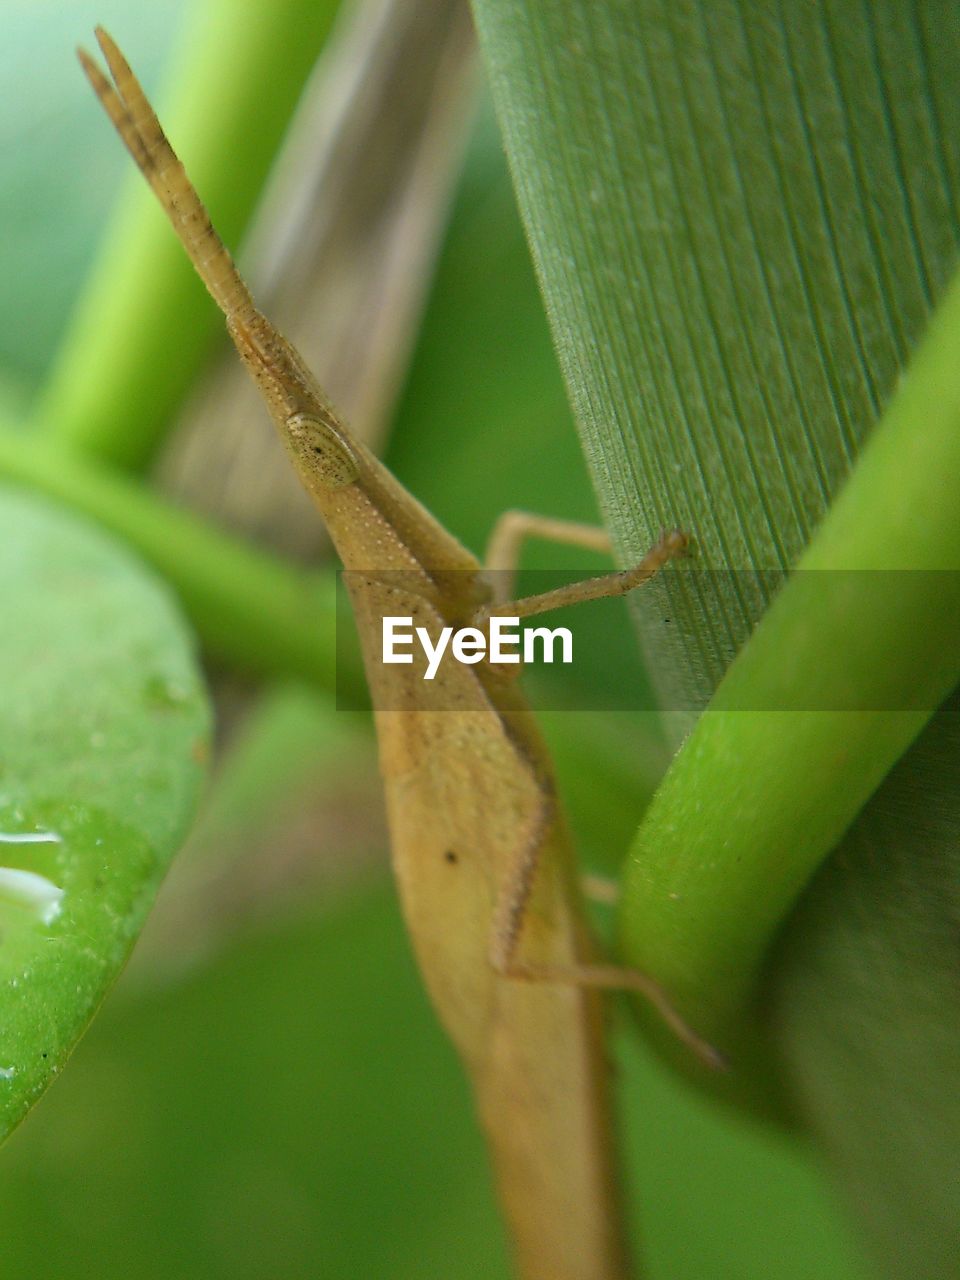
<point>321,448</point>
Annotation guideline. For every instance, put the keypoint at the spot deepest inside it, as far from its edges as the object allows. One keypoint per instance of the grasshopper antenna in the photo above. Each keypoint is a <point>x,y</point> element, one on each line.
<point>134,119</point>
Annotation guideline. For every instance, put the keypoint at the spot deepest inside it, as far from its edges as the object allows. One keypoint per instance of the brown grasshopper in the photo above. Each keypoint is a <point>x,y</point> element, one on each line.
<point>480,849</point>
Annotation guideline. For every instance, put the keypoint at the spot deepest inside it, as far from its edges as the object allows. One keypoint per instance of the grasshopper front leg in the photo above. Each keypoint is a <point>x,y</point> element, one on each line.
<point>672,544</point>
<point>513,528</point>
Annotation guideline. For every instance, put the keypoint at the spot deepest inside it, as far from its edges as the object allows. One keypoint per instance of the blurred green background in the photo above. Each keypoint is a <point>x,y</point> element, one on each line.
<point>266,1092</point>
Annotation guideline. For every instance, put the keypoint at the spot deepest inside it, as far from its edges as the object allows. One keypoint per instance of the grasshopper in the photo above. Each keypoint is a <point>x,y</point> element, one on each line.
<point>480,850</point>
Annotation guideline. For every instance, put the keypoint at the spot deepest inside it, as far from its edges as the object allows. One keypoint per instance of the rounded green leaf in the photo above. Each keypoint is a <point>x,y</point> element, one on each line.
<point>103,737</point>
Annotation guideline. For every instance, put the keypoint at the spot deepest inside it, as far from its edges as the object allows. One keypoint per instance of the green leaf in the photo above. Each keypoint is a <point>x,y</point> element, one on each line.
<point>103,736</point>
<point>251,609</point>
<point>864,997</point>
<point>840,676</point>
<point>742,216</point>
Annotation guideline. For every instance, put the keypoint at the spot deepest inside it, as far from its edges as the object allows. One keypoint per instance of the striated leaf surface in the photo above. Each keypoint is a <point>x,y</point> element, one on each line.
<point>743,215</point>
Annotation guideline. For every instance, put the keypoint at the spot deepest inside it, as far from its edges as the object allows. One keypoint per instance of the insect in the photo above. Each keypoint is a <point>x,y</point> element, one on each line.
<point>480,850</point>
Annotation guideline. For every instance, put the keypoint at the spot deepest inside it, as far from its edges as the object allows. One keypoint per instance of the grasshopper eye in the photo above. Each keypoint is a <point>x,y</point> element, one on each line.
<point>325,450</point>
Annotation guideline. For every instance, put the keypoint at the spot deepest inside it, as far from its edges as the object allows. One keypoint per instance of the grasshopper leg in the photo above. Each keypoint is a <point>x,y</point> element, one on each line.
<point>509,913</point>
<point>672,543</point>
<point>513,528</point>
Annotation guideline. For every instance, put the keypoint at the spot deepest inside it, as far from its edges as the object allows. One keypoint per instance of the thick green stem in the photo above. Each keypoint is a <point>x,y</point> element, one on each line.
<point>758,797</point>
<point>251,610</point>
<point>235,92</point>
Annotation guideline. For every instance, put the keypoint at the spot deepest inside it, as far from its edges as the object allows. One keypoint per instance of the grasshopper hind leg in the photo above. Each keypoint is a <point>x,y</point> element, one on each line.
<point>509,914</point>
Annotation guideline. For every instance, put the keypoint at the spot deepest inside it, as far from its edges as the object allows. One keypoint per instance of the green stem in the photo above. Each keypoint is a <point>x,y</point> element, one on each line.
<point>757,797</point>
<point>237,85</point>
<point>251,610</point>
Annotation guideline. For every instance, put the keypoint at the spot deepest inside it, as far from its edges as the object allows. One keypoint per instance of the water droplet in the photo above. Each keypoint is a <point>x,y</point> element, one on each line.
<point>29,837</point>
<point>7,1073</point>
<point>33,891</point>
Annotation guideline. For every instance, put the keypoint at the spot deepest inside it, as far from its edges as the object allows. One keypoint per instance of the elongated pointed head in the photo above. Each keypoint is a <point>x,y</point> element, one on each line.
<point>322,449</point>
